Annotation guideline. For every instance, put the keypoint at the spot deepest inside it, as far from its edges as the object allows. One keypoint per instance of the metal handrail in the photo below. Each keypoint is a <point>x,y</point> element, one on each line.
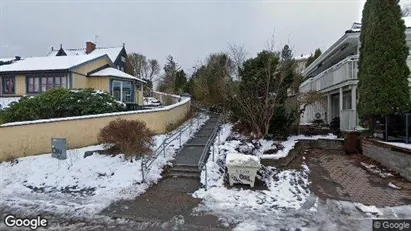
<point>202,162</point>
<point>170,137</point>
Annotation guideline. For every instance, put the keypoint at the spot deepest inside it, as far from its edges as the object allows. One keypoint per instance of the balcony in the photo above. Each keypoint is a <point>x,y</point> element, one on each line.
<point>345,70</point>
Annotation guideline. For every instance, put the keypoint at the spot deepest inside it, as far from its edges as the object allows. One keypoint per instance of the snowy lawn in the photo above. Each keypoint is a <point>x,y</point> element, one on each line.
<point>78,187</point>
<point>286,203</point>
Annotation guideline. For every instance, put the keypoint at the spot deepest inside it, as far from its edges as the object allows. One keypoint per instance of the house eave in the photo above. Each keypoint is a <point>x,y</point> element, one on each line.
<point>327,53</point>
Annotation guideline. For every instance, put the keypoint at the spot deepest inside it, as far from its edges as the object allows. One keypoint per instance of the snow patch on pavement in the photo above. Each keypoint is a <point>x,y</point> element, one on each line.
<point>393,186</point>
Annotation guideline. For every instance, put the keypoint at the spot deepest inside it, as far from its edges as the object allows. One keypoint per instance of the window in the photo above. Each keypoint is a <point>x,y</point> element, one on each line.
<point>118,67</point>
<point>122,91</point>
<point>347,103</point>
<point>38,84</point>
<point>9,85</point>
<point>122,68</point>
<point>123,59</point>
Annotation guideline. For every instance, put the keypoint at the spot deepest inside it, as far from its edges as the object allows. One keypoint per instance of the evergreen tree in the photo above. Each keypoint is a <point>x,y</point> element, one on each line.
<point>180,82</point>
<point>383,71</point>
<point>167,81</point>
<point>312,57</point>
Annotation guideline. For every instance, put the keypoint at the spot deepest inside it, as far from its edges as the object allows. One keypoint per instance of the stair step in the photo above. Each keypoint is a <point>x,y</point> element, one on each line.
<point>183,174</point>
<point>185,166</point>
<point>183,169</point>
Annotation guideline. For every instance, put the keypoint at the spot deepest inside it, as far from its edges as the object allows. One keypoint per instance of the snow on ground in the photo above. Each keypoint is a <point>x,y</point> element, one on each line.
<point>5,101</point>
<point>400,145</point>
<point>393,186</point>
<point>151,101</point>
<point>374,169</point>
<point>288,145</point>
<point>287,202</point>
<point>78,188</point>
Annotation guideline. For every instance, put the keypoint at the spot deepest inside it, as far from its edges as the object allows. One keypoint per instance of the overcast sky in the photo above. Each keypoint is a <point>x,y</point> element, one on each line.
<point>188,30</point>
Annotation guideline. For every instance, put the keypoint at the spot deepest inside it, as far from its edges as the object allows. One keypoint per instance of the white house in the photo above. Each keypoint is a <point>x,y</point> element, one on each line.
<point>334,74</point>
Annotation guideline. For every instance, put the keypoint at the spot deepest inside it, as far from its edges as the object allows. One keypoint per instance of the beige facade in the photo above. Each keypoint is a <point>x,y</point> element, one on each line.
<point>18,140</point>
<point>78,78</point>
<point>101,83</point>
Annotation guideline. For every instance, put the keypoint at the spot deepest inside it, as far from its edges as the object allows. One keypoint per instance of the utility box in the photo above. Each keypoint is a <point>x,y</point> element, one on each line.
<point>351,141</point>
<point>242,169</point>
<point>59,148</point>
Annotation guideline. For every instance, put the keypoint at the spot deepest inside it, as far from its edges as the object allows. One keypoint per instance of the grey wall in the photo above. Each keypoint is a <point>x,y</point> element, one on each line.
<point>397,161</point>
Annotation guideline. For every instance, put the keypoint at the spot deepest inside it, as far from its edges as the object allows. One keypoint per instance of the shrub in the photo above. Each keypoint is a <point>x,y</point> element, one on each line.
<point>57,103</point>
<point>281,122</point>
<point>335,125</point>
<point>128,137</point>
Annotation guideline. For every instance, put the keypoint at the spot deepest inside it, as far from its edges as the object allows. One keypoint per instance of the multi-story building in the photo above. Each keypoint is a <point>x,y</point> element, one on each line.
<point>334,74</point>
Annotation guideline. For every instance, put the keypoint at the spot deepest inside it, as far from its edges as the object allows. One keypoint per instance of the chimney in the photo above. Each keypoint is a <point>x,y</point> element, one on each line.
<point>52,48</point>
<point>90,47</point>
<point>17,58</point>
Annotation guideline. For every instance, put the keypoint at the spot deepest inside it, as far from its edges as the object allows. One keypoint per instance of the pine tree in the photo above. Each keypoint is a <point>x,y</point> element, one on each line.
<point>313,57</point>
<point>383,71</point>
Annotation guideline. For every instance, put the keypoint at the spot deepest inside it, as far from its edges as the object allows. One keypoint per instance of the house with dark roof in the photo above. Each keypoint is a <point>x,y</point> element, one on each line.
<point>334,74</point>
<point>30,76</point>
<point>117,55</point>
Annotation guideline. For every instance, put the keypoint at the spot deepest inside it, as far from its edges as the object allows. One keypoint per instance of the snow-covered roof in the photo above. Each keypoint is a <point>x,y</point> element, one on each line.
<point>47,63</point>
<point>7,59</point>
<point>302,57</point>
<point>112,52</point>
<point>110,71</point>
<point>356,27</point>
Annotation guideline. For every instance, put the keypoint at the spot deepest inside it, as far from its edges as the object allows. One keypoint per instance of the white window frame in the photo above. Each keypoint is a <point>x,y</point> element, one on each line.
<point>121,90</point>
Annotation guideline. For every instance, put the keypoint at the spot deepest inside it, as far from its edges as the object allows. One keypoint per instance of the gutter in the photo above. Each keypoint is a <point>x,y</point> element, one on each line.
<point>326,54</point>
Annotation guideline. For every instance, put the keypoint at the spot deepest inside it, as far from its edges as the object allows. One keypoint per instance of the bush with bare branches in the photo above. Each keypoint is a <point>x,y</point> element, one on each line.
<point>128,137</point>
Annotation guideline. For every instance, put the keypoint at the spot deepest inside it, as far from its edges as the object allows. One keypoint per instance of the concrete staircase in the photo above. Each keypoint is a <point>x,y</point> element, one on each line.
<point>184,171</point>
<point>186,162</point>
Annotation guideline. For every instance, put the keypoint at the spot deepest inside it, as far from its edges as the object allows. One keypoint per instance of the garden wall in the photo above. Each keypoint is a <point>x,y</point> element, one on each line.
<point>304,144</point>
<point>395,158</point>
<point>34,137</point>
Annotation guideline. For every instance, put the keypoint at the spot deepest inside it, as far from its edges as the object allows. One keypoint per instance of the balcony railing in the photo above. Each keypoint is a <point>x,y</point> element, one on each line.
<point>345,70</point>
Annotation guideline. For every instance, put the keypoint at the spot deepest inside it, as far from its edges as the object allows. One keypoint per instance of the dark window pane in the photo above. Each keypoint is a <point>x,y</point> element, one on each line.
<point>31,84</point>
<point>8,85</point>
<point>43,84</point>
<point>64,82</point>
<point>57,82</point>
<point>37,84</point>
<point>49,83</point>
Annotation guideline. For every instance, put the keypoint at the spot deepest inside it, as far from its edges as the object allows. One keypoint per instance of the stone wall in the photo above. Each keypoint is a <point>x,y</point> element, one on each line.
<point>394,158</point>
<point>323,144</point>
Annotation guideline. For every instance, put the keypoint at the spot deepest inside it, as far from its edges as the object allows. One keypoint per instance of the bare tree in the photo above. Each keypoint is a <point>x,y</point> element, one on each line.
<point>237,54</point>
<point>153,69</point>
<point>139,64</point>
